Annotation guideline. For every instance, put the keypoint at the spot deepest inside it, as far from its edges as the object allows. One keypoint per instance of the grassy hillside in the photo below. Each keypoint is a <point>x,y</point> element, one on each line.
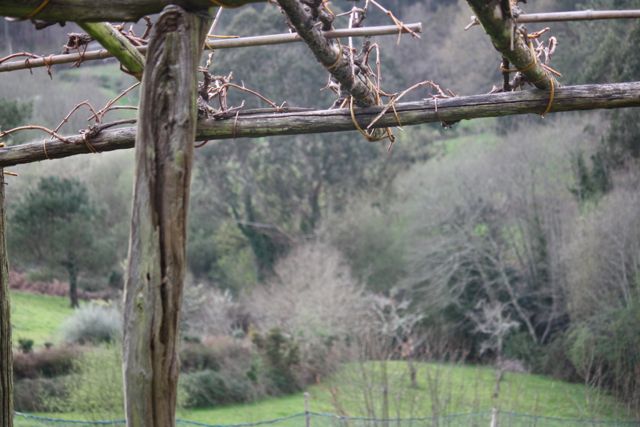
<point>357,389</point>
<point>441,389</point>
<point>37,317</point>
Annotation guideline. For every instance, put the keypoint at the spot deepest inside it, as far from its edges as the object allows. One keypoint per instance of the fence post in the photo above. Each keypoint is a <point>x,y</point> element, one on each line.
<point>307,414</point>
<point>6,355</point>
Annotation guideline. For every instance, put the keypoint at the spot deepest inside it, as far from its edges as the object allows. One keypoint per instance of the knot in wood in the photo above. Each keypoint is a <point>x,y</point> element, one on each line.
<point>170,21</point>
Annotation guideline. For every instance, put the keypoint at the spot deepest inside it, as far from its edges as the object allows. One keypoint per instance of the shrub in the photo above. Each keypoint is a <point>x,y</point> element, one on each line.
<point>96,387</point>
<point>198,357</point>
<point>556,361</point>
<point>211,388</point>
<point>281,355</point>
<point>47,363</point>
<point>604,351</point>
<point>35,395</point>
<point>25,345</point>
<point>519,346</point>
<point>314,300</point>
<point>93,324</point>
<point>209,311</point>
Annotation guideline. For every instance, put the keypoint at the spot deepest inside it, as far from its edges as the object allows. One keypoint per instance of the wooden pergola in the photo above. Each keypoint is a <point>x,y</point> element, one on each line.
<point>167,126</point>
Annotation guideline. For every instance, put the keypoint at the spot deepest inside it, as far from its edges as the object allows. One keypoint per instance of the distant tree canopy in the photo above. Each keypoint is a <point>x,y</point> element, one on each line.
<point>56,226</point>
<point>14,113</point>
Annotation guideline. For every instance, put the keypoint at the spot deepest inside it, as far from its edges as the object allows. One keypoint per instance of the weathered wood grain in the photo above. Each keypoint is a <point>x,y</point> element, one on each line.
<point>157,246</point>
<point>104,10</point>
<point>6,357</point>
<point>568,98</point>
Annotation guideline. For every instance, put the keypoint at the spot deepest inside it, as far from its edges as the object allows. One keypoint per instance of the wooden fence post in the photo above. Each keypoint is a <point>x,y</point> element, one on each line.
<point>6,357</point>
<point>156,262</point>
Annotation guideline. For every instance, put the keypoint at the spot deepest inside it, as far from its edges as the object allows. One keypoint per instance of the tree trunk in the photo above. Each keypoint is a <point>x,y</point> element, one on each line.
<point>6,357</point>
<point>72,270</point>
<point>156,264</point>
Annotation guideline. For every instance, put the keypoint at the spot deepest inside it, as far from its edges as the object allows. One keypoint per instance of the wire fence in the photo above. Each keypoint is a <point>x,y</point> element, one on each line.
<point>314,419</point>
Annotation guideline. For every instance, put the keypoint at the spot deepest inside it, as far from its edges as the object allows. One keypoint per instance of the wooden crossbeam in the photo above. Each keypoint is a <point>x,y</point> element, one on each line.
<point>103,10</point>
<point>212,44</point>
<point>449,110</point>
<point>581,15</point>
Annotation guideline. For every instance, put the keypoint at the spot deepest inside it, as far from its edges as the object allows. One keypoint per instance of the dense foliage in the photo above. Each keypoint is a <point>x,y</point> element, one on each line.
<point>500,239</point>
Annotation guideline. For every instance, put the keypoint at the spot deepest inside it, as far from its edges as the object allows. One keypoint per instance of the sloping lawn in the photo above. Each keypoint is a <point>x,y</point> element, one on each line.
<point>37,317</point>
<point>441,389</point>
<point>357,389</point>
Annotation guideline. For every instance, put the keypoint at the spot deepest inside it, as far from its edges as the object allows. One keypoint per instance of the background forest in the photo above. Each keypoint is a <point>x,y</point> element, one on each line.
<point>511,241</point>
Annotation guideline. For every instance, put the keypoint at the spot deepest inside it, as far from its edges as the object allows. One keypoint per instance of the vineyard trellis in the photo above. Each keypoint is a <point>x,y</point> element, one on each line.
<point>168,124</point>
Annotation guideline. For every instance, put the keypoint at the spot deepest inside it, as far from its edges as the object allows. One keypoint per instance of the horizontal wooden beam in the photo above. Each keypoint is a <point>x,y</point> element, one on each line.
<point>103,10</point>
<point>581,15</point>
<point>449,110</point>
<point>212,44</point>
<point>380,30</point>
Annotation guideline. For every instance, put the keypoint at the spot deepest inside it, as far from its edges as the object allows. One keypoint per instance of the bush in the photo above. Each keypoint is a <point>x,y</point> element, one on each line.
<point>198,357</point>
<point>96,387</point>
<point>556,361</point>
<point>604,351</point>
<point>519,346</point>
<point>35,395</point>
<point>93,324</point>
<point>46,363</point>
<point>281,355</point>
<point>25,345</point>
<point>210,388</point>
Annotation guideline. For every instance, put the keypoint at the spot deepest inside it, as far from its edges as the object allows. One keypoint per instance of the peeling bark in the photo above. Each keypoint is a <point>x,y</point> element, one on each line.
<point>156,262</point>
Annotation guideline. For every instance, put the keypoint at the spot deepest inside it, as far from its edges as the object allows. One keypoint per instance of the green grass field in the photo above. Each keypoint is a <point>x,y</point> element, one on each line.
<point>357,389</point>
<point>37,317</point>
<point>443,389</point>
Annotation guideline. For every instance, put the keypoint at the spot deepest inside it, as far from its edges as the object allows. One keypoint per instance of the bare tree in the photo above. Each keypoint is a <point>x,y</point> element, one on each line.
<point>312,295</point>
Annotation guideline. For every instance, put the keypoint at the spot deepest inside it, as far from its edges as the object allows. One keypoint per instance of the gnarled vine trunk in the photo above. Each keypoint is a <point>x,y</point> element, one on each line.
<point>156,263</point>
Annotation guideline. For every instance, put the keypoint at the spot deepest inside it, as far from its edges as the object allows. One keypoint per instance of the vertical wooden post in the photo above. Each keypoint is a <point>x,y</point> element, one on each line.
<point>156,262</point>
<point>307,413</point>
<point>6,357</point>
